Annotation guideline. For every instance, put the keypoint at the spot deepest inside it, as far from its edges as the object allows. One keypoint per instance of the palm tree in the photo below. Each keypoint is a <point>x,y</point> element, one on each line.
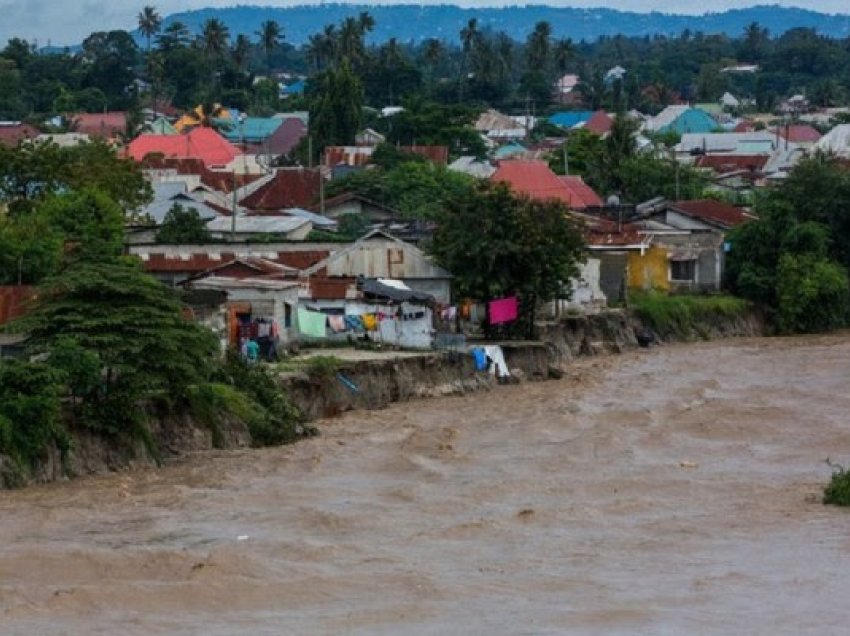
<point>433,51</point>
<point>270,35</point>
<point>563,53</point>
<point>149,23</point>
<point>176,35</point>
<point>214,38</point>
<point>351,41</point>
<point>313,51</point>
<point>469,35</point>
<point>538,47</point>
<point>366,22</point>
<point>330,44</point>
<point>241,51</point>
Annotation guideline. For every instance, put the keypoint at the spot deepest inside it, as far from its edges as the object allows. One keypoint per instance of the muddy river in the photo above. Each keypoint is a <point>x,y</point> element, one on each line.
<point>666,492</point>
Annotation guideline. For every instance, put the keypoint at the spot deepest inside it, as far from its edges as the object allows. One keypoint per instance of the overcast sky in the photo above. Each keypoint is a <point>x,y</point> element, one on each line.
<point>69,21</point>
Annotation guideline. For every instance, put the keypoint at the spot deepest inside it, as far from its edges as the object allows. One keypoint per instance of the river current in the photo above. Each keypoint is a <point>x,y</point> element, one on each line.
<point>671,491</point>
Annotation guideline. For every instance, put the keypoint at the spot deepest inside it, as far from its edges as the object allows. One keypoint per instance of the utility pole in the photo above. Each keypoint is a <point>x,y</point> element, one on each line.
<point>321,188</point>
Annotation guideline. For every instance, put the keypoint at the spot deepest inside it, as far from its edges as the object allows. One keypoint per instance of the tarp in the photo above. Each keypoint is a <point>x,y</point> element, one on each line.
<point>503,310</point>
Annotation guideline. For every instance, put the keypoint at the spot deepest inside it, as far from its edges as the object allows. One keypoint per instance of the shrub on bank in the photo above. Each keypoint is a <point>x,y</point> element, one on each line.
<point>684,315</point>
<point>837,491</point>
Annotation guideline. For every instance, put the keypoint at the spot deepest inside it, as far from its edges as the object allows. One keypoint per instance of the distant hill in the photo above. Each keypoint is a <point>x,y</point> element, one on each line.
<point>415,22</point>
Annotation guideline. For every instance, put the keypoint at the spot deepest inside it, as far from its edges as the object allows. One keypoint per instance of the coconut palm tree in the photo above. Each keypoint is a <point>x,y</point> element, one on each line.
<point>270,35</point>
<point>214,38</point>
<point>538,46</point>
<point>564,51</point>
<point>149,23</point>
<point>241,51</point>
<point>366,22</point>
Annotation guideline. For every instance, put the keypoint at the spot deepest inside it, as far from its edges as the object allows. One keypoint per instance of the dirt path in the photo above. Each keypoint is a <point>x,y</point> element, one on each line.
<point>669,492</point>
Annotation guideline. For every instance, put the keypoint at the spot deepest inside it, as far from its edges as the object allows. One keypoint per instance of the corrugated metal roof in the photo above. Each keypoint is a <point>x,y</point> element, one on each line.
<point>258,224</point>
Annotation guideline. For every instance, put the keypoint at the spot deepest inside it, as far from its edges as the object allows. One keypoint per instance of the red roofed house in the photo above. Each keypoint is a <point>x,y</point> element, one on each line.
<point>706,214</point>
<point>724,164</point>
<point>599,124</point>
<point>536,180</point>
<point>103,125</point>
<point>13,132</point>
<point>582,195</point>
<point>800,134</point>
<point>289,188</point>
<point>201,143</point>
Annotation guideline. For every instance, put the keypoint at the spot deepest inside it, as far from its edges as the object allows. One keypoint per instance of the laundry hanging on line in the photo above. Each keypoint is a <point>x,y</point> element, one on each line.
<point>503,310</point>
<point>312,323</point>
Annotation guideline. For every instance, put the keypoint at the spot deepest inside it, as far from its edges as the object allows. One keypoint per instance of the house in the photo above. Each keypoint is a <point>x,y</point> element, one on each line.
<point>63,140</point>
<point>296,88</point>
<point>473,167</point>
<point>249,130</point>
<point>14,132</point>
<point>283,140</point>
<point>570,119</point>
<point>741,68</point>
<point>566,84</point>
<point>199,143</point>
<point>536,180</point>
<point>836,141</point>
<point>381,255</point>
<point>303,115</point>
<point>497,126</point>
<point>172,264</point>
<point>109,125</point>
<point>681,119</point>
<point>599,123</point>
<point>794,105</point>
<point>285,188</point>
<point>692,145</point>
<point>159,126</point>
<point>724,164</point>
<point>369,137</point>
<point>246,298</point>
<point>358,156</point>
<point>513,150</point>
<point>803,135</point>
<point>614,74</point>
<point>246,227</point>
<point>165,196</point>
<point>729,101</point>
<point>581,195</point>
<point>353,203</point>
<point>701,214</point>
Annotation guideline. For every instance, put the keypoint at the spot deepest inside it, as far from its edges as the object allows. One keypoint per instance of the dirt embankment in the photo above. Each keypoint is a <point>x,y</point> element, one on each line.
<point>372,384</point>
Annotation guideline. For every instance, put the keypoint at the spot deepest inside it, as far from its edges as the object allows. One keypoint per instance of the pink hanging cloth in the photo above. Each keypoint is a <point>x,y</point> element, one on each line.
<point>503,310</point>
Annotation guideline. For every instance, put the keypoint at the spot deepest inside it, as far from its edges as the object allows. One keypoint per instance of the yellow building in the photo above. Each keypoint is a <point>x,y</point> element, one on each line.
<point>649,268</point>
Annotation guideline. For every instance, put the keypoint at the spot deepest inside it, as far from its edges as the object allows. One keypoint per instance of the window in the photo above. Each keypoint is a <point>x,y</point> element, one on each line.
<point>683,271</point>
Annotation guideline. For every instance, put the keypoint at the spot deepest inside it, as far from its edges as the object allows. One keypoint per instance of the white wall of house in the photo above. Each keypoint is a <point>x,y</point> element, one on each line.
<point>587,294</point>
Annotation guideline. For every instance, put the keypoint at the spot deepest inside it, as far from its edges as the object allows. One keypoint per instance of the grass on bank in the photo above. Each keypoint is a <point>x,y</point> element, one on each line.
<point>685,314</point>
<point>837,492</point>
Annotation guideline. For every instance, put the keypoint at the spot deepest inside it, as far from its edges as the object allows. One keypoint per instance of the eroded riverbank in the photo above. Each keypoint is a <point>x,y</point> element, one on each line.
<point>666,492</point>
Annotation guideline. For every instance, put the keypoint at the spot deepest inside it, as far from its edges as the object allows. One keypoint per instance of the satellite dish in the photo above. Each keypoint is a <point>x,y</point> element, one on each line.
<point>613,200</point>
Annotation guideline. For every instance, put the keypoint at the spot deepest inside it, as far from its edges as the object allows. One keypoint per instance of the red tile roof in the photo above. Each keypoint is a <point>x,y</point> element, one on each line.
<point>800,133</point>
<point>581,195</point>
<point>105,125</point>
<point>536,180</point>
<point>718,213</point>
<point>600,123</point>
<point>290,188</point>
<point>200,143</point>
<point>745,125</point>
<point>722,164</point>
<point>11,135</point>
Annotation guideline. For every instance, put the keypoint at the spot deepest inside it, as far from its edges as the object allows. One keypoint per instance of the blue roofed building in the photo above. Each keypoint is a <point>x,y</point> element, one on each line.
<point>682,120</point>
<point>570,118</point>
<point>296,88</point>
<point>251,130</point>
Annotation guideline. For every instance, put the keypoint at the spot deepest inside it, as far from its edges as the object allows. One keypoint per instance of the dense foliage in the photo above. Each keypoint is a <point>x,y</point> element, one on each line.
<point>793,261</point>
<point>182,225</point>
<point>498,244</point>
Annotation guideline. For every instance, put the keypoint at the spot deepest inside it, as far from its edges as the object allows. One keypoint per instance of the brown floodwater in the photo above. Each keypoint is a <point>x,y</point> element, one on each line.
<point>674,491</point>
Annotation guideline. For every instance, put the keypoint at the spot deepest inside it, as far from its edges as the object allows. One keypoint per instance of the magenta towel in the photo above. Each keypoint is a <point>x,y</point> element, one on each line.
<point>503,310</point>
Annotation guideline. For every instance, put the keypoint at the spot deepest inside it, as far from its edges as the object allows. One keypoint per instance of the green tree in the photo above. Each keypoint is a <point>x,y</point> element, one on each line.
<point>134,325</point>
<point>496,244</point>
<point>29,417</point>
<point>336,102</point>
<point>183,225</point>
<point>91,224</point>
<point>813,294</point>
